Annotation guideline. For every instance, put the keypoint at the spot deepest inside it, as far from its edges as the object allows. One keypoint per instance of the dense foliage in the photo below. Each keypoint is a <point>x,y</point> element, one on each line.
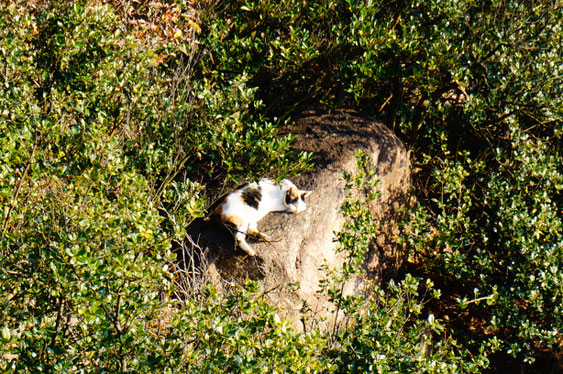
<point>96,138</point>
<point>475,90</point>
<point>119,120</point>
<point>387,330</point>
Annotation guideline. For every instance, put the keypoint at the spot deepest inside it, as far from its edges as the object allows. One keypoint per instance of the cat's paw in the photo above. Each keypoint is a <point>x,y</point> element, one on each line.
<point>264,237</point>
<point>250,252</point>
<point>258,235</point>
<point>245,247</point>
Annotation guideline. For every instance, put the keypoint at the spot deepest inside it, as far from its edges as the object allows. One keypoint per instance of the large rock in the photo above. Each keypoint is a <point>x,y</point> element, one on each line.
<point>306,240</point>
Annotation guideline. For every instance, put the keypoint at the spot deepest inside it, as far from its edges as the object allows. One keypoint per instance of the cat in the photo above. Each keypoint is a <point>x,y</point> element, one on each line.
<point>248,204</point>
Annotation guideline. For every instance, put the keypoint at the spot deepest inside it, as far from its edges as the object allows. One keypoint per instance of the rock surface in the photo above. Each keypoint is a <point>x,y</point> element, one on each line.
<point>306,240</point>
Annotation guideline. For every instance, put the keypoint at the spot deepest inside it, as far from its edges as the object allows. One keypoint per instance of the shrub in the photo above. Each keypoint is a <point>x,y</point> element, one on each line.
<point>498,231</point>
<point>117,121</point>
<point>242,333</point>
<point>387,328</point>
<point>475,90</point>
<point>98,141</point>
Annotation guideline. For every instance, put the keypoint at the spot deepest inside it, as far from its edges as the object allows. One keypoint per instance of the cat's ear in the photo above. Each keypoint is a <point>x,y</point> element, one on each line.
<point>305,194</point>
<point>289,196</point>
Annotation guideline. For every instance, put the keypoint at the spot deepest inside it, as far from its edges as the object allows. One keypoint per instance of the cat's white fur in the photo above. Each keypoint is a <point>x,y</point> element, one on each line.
<point>245,206</point>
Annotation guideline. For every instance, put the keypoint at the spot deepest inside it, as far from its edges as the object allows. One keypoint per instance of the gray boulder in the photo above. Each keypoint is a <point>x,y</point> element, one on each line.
<point>306,241</point>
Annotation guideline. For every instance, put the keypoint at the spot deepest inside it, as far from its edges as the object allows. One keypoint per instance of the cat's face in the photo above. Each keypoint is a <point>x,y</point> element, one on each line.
<point>295,199</point>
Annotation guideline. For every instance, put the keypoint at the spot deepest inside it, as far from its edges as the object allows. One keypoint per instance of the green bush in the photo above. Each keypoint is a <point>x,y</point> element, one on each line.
<point>474,89</point>
<point>387,329</point>
<point>118,120</point>
<point>499,232</point>
<point>242,333</point>
<point>82,250</point>
<point>105,144</point>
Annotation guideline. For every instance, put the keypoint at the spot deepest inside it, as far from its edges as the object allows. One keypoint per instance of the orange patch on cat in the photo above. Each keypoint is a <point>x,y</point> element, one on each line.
<point>293,193</point>
<point>235,220</point>
<point>219,210</point>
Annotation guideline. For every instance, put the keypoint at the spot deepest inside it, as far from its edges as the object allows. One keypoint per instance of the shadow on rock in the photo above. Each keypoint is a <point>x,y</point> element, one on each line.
<point>211,243</point>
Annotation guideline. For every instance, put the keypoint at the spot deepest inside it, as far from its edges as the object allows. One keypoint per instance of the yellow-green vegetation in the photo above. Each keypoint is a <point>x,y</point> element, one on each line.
<point>117,119</point>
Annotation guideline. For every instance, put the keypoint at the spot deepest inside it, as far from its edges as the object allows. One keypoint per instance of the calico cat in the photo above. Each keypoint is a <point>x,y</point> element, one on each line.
<point>246,205</point>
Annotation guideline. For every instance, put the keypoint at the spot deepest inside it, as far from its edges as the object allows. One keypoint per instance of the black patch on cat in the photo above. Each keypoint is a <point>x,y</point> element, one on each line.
<point>287,199</point>
<point>252,196</point>
<point>290,198</point>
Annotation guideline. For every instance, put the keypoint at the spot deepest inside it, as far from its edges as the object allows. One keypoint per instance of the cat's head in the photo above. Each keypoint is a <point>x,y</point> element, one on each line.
<point>294,199</point>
